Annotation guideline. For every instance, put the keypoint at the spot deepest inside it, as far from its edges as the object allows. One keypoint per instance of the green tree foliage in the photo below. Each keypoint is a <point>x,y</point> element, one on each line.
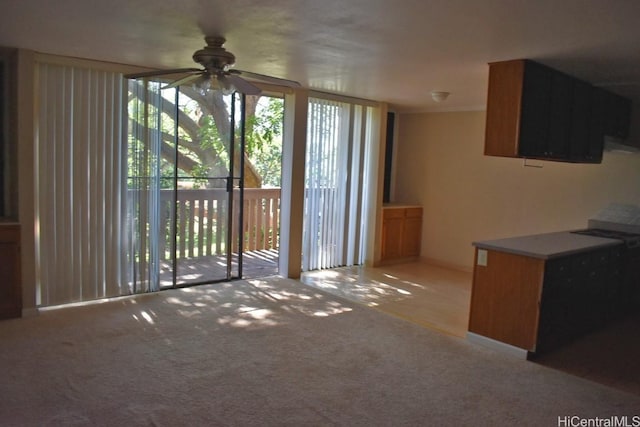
<point>203,135</point>
<point>264,139</point>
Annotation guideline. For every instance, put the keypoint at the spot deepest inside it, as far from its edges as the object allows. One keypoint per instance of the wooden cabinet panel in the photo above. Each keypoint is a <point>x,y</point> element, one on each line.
<point>504,103</point>
<point>401,233</point>
<point>411,236</point>
<point>10,287</point>
<point>392,237</point>
<point>505,298</point>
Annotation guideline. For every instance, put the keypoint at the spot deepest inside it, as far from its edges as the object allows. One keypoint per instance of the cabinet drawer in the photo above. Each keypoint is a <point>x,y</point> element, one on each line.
<point>9,233</point>
<point>413,213</point>
<point>392,213</point>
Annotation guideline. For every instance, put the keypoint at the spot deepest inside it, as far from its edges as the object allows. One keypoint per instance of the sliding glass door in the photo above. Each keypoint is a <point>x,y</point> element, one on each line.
<point>185,186</point>
<point>208,199</point>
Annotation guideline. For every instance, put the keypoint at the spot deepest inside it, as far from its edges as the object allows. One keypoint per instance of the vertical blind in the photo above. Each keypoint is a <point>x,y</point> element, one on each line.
<point>80,170</point>
<point>150,115</point>
<point>96,233</point>
<point>339,139</point>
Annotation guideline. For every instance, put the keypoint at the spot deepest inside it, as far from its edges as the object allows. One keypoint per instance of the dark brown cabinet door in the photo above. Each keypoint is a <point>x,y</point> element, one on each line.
<point>617,115</point>
<point>10,287</point>
<point>560,116</point>
<point>593,151</point>
<point>580,113</point>
<point>536,103</point>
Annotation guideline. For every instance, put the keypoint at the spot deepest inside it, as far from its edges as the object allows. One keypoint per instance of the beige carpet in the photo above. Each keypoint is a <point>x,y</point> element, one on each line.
<point>270,353</point>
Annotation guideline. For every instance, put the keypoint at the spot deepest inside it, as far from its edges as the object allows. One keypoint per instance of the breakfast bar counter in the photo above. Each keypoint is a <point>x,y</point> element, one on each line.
<point>548,245</point>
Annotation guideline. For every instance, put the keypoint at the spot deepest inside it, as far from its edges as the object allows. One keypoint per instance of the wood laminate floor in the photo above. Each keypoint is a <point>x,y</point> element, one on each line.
<point>422,293</point>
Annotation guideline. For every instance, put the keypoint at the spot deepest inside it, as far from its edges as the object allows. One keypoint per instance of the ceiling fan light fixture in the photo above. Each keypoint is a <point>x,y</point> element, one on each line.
<point>439,96</point>
<point>202,84</point>
<point>216,73</point>
<point>207,82</point>
<point>224,85</point>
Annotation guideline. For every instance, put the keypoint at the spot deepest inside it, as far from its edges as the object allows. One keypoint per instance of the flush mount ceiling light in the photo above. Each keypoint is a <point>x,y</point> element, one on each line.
<point>439,96</point>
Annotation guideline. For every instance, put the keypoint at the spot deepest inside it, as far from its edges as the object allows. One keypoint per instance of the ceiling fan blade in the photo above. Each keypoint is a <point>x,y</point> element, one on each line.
<point>241,84</point>
<point>182,81</point>
<point>265,78</point>
<point>161,73</point>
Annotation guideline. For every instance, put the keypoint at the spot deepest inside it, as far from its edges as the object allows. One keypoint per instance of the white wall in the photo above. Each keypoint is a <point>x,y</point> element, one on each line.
<point>468,196</point>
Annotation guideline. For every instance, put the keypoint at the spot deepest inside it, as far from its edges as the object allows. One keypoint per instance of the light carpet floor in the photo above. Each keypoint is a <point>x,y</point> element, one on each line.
<point>270,352</point>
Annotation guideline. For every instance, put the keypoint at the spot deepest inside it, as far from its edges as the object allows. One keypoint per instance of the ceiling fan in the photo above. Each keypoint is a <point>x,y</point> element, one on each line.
<point>217,72</point>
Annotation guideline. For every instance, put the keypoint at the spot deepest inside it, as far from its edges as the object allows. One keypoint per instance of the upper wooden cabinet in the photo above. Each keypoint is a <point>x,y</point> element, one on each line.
<point>536,112</point>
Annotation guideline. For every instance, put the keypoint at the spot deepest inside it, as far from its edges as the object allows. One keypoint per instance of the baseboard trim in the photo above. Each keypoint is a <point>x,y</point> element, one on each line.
<point>30,312</point>
<point>509,349</point>
<point>448,265</point>
<point>395,261</point>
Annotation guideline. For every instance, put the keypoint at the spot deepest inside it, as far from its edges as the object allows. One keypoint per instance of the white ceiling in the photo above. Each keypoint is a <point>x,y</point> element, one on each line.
<point>396,52</point>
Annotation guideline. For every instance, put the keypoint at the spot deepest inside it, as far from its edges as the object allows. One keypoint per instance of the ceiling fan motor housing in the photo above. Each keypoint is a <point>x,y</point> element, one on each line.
<point>214,57</point>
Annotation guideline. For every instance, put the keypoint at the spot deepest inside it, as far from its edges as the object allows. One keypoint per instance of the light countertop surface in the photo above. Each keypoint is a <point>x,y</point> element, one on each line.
<point>548,245</point>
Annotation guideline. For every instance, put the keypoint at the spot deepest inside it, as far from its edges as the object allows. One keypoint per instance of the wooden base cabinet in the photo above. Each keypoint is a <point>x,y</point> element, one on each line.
<point>505,298</point>
<point>539,304</point>
<point>401,232</point>
<point>10,287</point>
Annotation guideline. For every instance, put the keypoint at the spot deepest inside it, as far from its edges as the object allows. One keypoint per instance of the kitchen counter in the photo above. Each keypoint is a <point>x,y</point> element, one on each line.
<point>548,245</point>
<point>534,293</point>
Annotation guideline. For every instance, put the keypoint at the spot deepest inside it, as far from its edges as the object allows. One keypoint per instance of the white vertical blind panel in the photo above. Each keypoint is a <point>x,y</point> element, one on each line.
<point>324,203</point>
<point>339,140</point>
<point>344,150</point>
<point>79,184</point>
<point>370,177</point>
<point>143,188</point>
<point>352,229</point>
